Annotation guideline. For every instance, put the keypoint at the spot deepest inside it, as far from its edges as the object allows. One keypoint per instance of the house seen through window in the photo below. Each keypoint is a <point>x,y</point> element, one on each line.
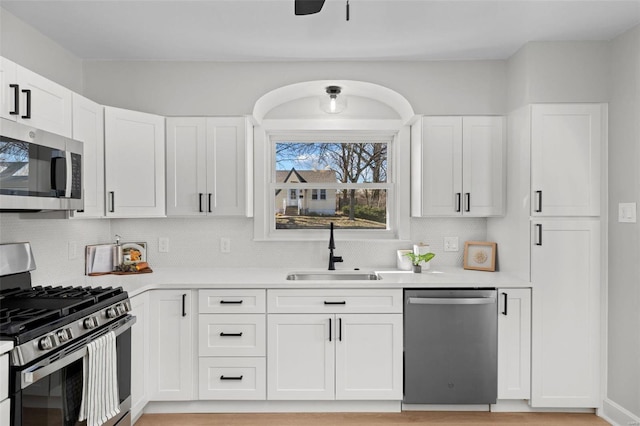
<point>346,183</point>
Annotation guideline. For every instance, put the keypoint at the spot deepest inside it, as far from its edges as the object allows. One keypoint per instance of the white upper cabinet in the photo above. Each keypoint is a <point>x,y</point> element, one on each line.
<point>134,164</point>
<point>31,99</point>
<point>566,144</point>
<point>207,166</point>
<point>88,127</point>
<point>458,166</point>
<point>9,90</point>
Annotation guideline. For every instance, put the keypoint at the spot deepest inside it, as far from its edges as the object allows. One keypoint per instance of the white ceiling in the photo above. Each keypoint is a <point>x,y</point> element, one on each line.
<point>268,30</point>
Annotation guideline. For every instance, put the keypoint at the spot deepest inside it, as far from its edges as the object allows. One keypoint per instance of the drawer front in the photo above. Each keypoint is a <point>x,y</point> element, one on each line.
<point>233,378</point>
<point>231,335</point>
<point>231,301</point>
<point>4,377</point>
<point>334,301</point>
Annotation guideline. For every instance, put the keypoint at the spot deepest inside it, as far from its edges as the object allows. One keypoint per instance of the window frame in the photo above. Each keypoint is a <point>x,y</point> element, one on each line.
<point>394,132</point>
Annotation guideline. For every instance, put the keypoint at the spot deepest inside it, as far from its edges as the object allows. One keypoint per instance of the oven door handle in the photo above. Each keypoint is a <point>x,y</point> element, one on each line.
<point>38,371</point>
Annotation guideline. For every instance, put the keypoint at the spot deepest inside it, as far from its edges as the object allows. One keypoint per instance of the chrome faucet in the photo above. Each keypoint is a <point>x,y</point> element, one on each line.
<point>332,245</point>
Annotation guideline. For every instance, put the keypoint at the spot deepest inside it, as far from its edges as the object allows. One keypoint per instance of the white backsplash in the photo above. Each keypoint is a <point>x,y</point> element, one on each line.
<point>196,243</point>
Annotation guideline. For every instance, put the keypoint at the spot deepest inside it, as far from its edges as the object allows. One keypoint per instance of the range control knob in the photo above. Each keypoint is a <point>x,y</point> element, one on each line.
<point>45,343</point>
<point>120,309</point>
<point>64,335</point>
<point>111,313</point>
<point>90,323</point>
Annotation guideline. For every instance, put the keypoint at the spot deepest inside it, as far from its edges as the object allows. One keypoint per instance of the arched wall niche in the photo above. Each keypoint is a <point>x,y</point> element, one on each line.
<point>302,100</point>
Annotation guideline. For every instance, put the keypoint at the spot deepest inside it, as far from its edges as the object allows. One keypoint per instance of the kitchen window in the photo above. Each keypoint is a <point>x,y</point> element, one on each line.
<point>346,178</point>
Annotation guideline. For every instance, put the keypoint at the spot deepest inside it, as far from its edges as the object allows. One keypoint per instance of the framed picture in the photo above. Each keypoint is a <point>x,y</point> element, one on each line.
<point>480,255</point>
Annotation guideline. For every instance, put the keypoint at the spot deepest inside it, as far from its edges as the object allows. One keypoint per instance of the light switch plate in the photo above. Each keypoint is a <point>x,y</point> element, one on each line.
<point>627,212</point>
<point>163,245</point>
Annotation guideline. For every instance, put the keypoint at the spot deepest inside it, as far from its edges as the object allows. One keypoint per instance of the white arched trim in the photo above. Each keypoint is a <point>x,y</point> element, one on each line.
<point>295,91</point>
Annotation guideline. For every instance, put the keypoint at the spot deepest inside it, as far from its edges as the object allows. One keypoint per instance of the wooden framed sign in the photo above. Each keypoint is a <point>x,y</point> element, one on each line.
<point>480,255</point>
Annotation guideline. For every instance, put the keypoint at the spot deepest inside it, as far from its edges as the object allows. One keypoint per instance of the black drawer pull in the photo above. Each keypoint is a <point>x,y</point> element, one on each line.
<point>28,93</point>
<point>539,202</point>
<point>230,377</point>
<point>231,302</point>
<point>16,99</point>
<point>223,334</point>
<point>335,303</point>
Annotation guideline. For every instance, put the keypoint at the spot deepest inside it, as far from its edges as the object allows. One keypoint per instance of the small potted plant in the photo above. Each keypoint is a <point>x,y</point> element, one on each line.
<point>417,259</point>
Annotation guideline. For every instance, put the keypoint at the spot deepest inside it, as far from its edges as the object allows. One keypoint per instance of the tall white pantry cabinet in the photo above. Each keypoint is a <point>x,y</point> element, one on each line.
<point>554,190</point>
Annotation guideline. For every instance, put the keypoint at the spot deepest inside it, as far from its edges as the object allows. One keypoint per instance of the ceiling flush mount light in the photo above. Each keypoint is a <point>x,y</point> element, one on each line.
<point>333,104</point>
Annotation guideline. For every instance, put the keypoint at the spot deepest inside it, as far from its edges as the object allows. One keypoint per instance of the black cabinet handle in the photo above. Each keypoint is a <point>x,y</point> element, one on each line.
<point>200,203</point>
<point>112,196</point>
<point>16,99</point>
<point>340,329</point>
<point>28,93</point>
<point>467,200</point>
<point>539,229</point>
<point>458,201</point>
<point>230,377</point>
<point>335,303</point>
<point>231,302</point>
<point>210,211</point>
<point>223,334</point>
<point>504,311</point>
<point>539,201</point>
<point>184,305</point>
<point>329,329</point>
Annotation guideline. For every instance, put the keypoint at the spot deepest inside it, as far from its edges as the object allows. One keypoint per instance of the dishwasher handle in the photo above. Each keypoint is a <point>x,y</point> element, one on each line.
<point>451,300</point>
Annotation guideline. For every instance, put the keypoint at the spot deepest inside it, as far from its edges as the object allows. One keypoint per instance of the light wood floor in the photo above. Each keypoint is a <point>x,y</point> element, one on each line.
<point>412,418</point>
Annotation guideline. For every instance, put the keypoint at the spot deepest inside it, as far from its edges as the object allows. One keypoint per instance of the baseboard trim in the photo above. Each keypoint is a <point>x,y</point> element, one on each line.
<point>618,415</point>
<point>273,407</point>
<point>522,406</point>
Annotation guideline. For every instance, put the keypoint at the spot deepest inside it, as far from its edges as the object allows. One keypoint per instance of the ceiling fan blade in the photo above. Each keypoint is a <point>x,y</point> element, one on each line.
<point>308,7</point>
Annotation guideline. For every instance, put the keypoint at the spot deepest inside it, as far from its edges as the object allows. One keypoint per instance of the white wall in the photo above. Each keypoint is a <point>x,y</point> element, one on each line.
<point>29,48</point>
<point>558,72</point>
<point>214,88</point>
<point>623,386</point>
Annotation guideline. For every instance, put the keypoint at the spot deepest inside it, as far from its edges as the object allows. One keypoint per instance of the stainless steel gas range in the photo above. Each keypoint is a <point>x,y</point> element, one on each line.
<point>56,371</point>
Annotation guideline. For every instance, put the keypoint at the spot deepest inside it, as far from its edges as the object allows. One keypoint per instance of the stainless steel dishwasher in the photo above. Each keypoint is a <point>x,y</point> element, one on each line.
<point>450,346</point>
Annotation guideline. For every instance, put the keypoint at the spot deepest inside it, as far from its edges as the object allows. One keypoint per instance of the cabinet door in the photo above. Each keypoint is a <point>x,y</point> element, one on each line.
<point>5,412</point>
<point>139,355</point>
<point>300,356</point>
<point>8,76</point>
<point>47,105</point>
<point>565,276</point>
<point>186,166</point>
<point>369,357</point>
<point>514,343</point>
<point>171,340</point>
<point>483,153</point>
<point>226,166</point>
<point>566,143</point>
<point>134,163</point>
<point>441,166</point>
<point>88,127</point>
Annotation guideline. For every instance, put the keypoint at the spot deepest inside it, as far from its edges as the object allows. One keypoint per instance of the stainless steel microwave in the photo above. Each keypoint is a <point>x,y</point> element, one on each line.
<point>38,170</point>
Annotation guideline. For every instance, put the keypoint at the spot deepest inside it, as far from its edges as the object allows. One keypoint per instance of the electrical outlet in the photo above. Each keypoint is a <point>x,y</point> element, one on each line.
<point>73,250</point>
<point>225,245</point>
<point>450,243</point>
<point>163,245</point>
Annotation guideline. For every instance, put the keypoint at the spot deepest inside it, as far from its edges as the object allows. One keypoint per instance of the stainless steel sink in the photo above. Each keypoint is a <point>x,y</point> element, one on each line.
<point>333,276</point>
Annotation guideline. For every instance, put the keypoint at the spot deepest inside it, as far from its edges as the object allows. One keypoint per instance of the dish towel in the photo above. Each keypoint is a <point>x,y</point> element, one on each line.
<point>100,399</point>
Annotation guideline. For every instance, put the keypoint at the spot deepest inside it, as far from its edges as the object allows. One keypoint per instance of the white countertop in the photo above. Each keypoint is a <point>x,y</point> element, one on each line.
<point>264,278</point>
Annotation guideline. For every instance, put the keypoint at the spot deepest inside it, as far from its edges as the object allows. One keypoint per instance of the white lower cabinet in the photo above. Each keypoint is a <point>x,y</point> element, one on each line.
<point>233,378</point>
<point>5,412</point>
<point>565,276</point>
<point>171,369</point>
<point>514,343</point>
<point>334,354</point>
<point>139,354</point>
<point>231,345</point>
